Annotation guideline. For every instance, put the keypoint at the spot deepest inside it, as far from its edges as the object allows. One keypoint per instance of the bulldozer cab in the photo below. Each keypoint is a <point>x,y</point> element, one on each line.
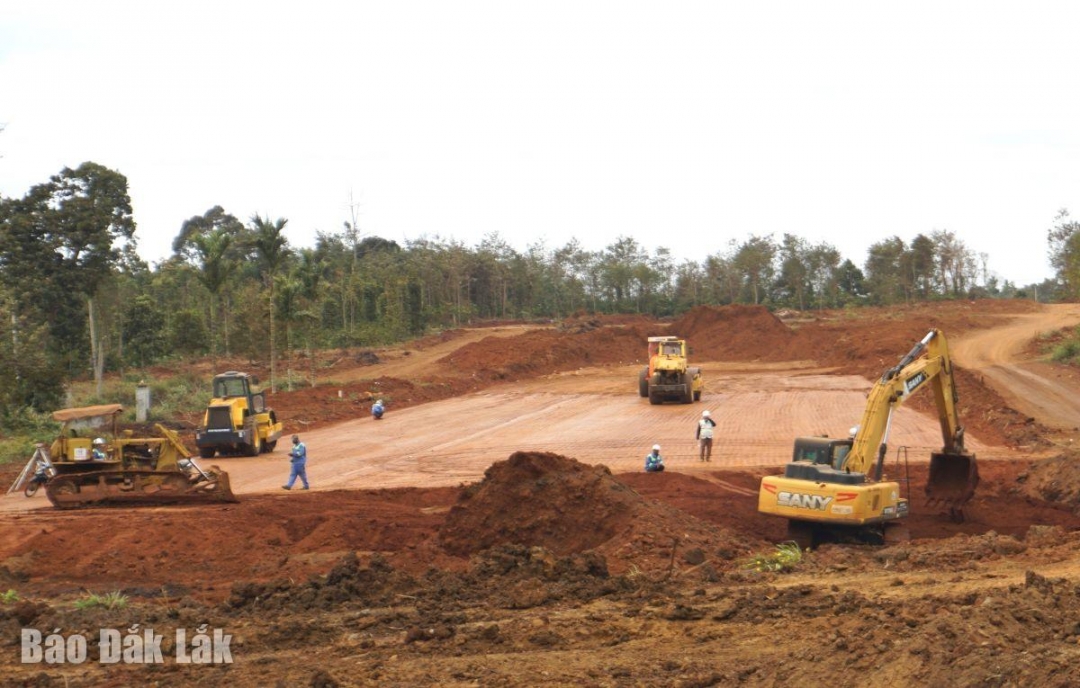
<point>77,428</point>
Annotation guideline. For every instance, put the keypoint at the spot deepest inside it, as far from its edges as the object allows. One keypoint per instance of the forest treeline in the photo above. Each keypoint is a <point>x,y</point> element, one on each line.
<point>79,301</point>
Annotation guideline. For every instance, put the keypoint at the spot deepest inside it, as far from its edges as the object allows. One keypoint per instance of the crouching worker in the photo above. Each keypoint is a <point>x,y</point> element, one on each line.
<point>377,410</point>
<point>654,463</point>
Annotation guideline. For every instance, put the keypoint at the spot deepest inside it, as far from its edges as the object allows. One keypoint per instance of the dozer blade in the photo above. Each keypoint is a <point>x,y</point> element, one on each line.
<point>138,488</point>
<point>952,482</point>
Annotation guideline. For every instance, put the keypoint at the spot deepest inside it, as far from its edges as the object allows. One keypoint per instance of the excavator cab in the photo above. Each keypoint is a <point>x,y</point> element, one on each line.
<point>822,451</point>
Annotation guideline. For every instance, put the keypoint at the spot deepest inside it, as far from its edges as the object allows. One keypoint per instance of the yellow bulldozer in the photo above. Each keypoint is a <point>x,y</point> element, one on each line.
<point>669,376</point>
<point>120,468</point>
<point>237,420</point>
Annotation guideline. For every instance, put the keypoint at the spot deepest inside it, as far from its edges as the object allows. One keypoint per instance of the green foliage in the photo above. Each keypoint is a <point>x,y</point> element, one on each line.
<point>187,334</point>
<point>70,240</point>
<point>9,597</point>
<point>144,331</point>
<point>110,600</point>
<point>34,379</point>
<point>786,557</point>
<point>1067,352</point>
<point>22,428</point>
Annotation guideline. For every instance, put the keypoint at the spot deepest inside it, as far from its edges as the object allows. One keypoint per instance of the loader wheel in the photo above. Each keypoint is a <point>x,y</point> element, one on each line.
<point>269,447</point>
<point>643,382</point>
<point>255,447</point>
<point>207,452</point>
<point>688,389</point>
<point>655,398</point>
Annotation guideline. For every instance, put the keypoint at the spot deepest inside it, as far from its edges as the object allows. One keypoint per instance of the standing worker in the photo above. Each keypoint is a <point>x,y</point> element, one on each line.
<point>298,459</point>
<point>704,435</point>
<point>654,463</point>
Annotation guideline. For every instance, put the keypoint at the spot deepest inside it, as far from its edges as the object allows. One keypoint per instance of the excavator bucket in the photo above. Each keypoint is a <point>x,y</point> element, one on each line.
<point>952,482</point>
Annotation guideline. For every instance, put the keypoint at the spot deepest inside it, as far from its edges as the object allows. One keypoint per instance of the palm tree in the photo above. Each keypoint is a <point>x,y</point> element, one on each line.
<point>272,248</point>
<point>214,271</point>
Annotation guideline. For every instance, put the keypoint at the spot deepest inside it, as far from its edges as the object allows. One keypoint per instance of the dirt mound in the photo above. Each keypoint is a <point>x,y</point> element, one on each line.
<point>735,333</point>
<point>564,506</point>
<point>542,352</point>
<point>540,499</point>
<point>1056,479</point>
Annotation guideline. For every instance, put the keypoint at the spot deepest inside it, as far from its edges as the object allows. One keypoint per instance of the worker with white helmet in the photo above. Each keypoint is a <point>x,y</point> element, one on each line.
<point>704,436</point>
<point>97,453</point>
<point>653,461</point>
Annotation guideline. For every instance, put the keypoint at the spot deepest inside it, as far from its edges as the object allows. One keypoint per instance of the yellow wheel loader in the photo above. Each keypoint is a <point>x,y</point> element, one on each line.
<point>237,420</point>
<point>669,377</point>
<point>122,469</point>
<point>836,489</point>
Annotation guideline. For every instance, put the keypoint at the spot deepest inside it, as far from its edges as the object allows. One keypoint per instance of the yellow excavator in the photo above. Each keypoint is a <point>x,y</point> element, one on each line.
<point>835,489</point>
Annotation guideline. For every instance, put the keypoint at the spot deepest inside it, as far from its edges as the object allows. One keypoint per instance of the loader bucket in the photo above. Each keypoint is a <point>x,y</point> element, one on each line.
<point>952,481</point>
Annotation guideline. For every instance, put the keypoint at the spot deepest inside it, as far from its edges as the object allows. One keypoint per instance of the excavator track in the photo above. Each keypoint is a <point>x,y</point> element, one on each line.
<point>137,487</point>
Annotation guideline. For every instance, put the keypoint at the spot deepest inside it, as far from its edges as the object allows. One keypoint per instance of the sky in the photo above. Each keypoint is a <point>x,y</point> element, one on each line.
<point>684,125</point>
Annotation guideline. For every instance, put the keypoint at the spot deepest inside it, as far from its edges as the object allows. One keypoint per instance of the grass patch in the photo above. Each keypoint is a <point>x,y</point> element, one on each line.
<point>9,597</point>
<point>1067,352</point>
<point>110,600</point>
<point>786,557</point>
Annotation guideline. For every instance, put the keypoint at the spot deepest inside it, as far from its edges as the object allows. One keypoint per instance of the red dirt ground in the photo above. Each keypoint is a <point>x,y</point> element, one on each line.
<point>553,572</point>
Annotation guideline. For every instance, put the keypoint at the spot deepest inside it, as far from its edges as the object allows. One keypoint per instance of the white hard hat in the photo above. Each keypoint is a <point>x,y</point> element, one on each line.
<point>656,447</point>
<point>704,414</point>
<point>99,441</point>
<point>379,402</point>
<point>854,430</point>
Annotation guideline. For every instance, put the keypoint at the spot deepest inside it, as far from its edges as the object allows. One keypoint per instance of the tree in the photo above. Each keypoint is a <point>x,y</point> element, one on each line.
<point>823,264</point>
<point>794,271</point>
<point>67,236</point>
<point>884,271</point>
<point>919,265</point>
<point>310,273</point>
<point>617,268</point>
<point>753,262</point>
<point>32,378</point>
<point>1064,240</point>
<point>850,281</point>
<point>144,330</point>
<point>272,248</point>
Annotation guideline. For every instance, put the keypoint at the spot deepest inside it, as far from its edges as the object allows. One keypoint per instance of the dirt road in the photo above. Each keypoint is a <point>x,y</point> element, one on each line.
<point>1046,394</point>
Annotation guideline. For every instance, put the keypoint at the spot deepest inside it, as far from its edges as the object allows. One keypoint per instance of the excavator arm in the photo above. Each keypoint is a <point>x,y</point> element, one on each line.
<point>912,373</point>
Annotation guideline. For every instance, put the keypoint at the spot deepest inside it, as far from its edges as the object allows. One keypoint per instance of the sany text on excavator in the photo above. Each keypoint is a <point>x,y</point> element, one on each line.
<point>836,488</point>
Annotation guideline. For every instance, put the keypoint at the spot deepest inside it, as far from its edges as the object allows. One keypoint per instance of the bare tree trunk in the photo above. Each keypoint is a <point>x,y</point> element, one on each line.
<point>273,362</point>
<point>97,356</point>
<point>288,356</point>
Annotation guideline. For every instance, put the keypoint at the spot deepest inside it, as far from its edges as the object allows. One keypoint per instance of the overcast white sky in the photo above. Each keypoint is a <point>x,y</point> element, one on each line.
<point>684,124</point>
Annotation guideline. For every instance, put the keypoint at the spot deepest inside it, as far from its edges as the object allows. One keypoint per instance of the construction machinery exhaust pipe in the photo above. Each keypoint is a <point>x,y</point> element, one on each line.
<point>952,482</point>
